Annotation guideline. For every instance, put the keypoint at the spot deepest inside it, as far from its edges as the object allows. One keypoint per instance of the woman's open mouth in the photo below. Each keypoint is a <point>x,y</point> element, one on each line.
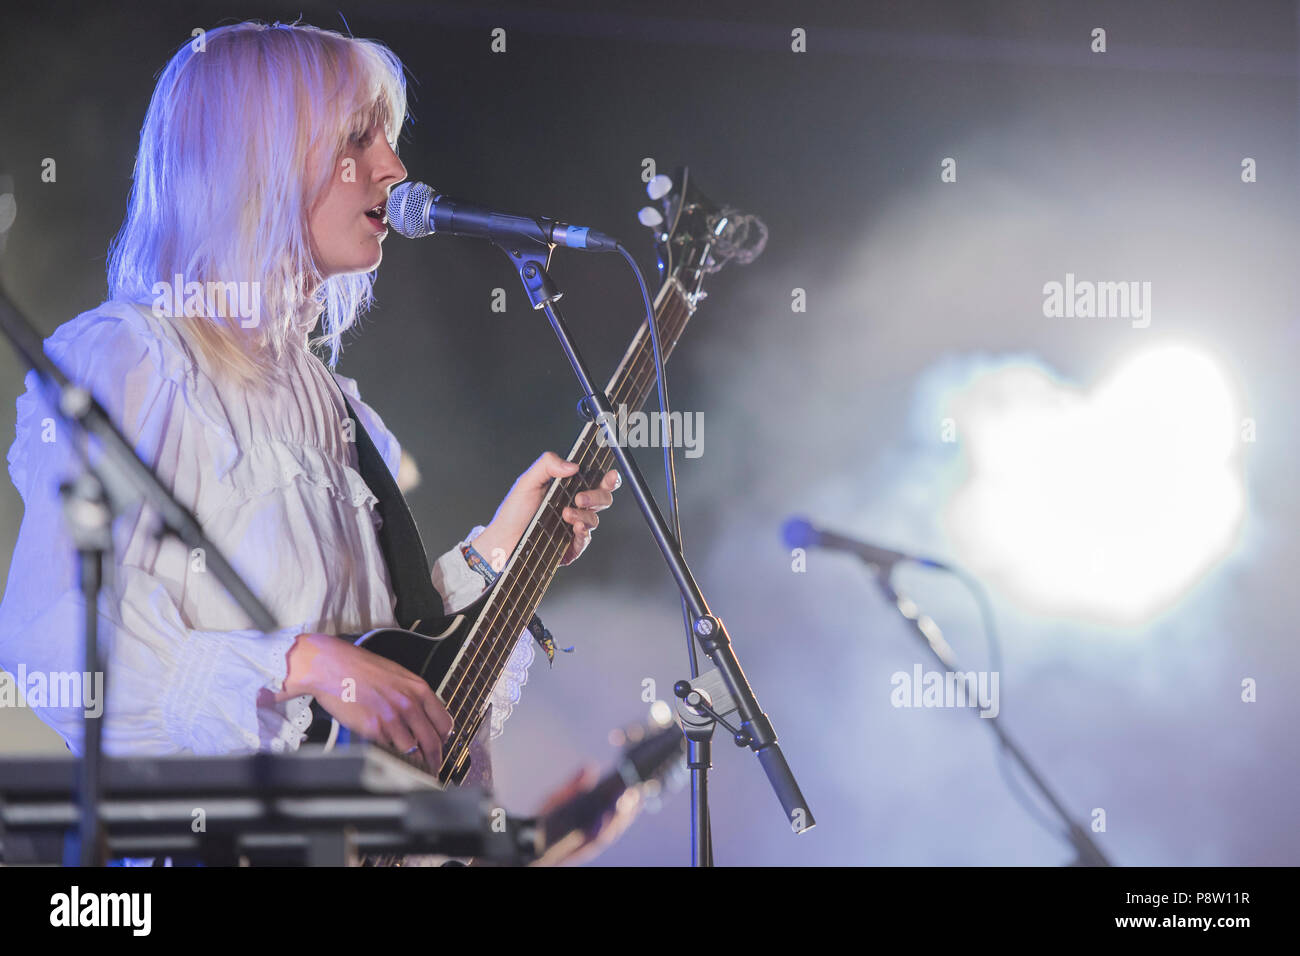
<point>378,215</point>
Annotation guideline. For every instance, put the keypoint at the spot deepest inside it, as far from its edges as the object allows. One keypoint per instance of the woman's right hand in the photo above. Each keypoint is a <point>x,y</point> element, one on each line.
<point>369,694</point>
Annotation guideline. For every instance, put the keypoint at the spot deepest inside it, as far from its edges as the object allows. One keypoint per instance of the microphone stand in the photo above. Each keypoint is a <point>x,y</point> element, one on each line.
<point>530,260</point>
<point>103,491</point>
<point>698,723</point>
<point>1088,853</point>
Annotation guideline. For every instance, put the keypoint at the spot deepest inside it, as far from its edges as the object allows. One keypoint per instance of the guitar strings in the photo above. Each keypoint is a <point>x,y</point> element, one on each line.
<point>527,583</point>
<point>520,588</point>
<point>537,565</point>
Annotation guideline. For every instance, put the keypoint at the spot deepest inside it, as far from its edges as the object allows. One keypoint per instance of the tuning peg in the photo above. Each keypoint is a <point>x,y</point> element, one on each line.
<point>659,187</point>
<point>650,217</point>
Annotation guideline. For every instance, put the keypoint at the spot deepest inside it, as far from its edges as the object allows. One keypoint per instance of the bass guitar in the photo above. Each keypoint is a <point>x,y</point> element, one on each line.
<point>462,655</point>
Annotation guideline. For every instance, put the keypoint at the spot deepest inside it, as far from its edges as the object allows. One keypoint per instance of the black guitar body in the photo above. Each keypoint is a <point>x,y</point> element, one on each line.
<point>429,649</point>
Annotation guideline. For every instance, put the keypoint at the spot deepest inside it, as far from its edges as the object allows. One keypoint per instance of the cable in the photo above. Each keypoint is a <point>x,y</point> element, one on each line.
<point>1018,792</point>
<point>670,481</point>
<point>670,467</point>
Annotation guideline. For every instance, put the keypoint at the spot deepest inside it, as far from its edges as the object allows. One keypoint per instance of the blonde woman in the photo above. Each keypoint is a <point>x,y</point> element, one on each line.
<point>250,237</point>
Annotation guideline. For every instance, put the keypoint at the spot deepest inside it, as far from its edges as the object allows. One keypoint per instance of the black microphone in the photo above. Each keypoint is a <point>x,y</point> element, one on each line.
<point>415,211</point>
<point>799,533</point>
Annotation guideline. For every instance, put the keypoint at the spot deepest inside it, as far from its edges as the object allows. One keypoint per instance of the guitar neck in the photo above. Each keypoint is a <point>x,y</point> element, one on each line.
<point>522,583</point>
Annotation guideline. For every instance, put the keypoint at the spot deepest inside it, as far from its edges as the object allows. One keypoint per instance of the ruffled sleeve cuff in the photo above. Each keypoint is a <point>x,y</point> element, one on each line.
<point>210,704</point>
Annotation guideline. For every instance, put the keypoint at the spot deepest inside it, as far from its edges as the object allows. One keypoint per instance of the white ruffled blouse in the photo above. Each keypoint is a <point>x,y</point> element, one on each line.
<point>272,481</point>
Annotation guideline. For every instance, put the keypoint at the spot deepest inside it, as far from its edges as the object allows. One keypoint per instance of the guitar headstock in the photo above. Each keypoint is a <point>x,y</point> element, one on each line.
<point>652,752</point>
<point>695,236</point>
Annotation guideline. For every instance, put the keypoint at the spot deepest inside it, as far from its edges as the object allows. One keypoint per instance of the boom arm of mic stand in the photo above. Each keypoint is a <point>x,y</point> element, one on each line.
<point>124,476</point>
<point>1089,853</point>
<point>757,731</point>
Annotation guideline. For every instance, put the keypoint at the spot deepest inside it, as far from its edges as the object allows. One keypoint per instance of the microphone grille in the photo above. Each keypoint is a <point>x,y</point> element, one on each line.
<point>799,533</point>
<point>408,209</point>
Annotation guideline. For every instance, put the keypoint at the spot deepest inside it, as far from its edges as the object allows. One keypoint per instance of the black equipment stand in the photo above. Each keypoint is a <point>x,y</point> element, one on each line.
<point>755,731</point>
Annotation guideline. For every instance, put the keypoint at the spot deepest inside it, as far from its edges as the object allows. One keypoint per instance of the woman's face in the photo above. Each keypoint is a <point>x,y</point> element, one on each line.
<point>344,238</point>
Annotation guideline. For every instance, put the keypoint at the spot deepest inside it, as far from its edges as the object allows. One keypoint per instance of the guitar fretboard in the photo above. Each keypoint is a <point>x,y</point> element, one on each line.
<point>523,581</point>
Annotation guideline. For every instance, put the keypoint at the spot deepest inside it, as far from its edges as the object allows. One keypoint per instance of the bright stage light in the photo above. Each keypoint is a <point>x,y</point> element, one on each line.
<point>1106,506</point>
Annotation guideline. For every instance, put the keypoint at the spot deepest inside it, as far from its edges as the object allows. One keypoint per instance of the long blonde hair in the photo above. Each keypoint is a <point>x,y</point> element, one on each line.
<point>244,130</point>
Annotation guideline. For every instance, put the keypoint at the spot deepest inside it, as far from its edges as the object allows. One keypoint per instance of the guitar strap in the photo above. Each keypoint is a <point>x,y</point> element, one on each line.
<point>409,575</point>
<point>399,538</point>
<point>403,549</point>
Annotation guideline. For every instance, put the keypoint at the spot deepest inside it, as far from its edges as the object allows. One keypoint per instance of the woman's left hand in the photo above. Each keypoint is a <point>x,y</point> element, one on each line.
<point>498,539</point>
